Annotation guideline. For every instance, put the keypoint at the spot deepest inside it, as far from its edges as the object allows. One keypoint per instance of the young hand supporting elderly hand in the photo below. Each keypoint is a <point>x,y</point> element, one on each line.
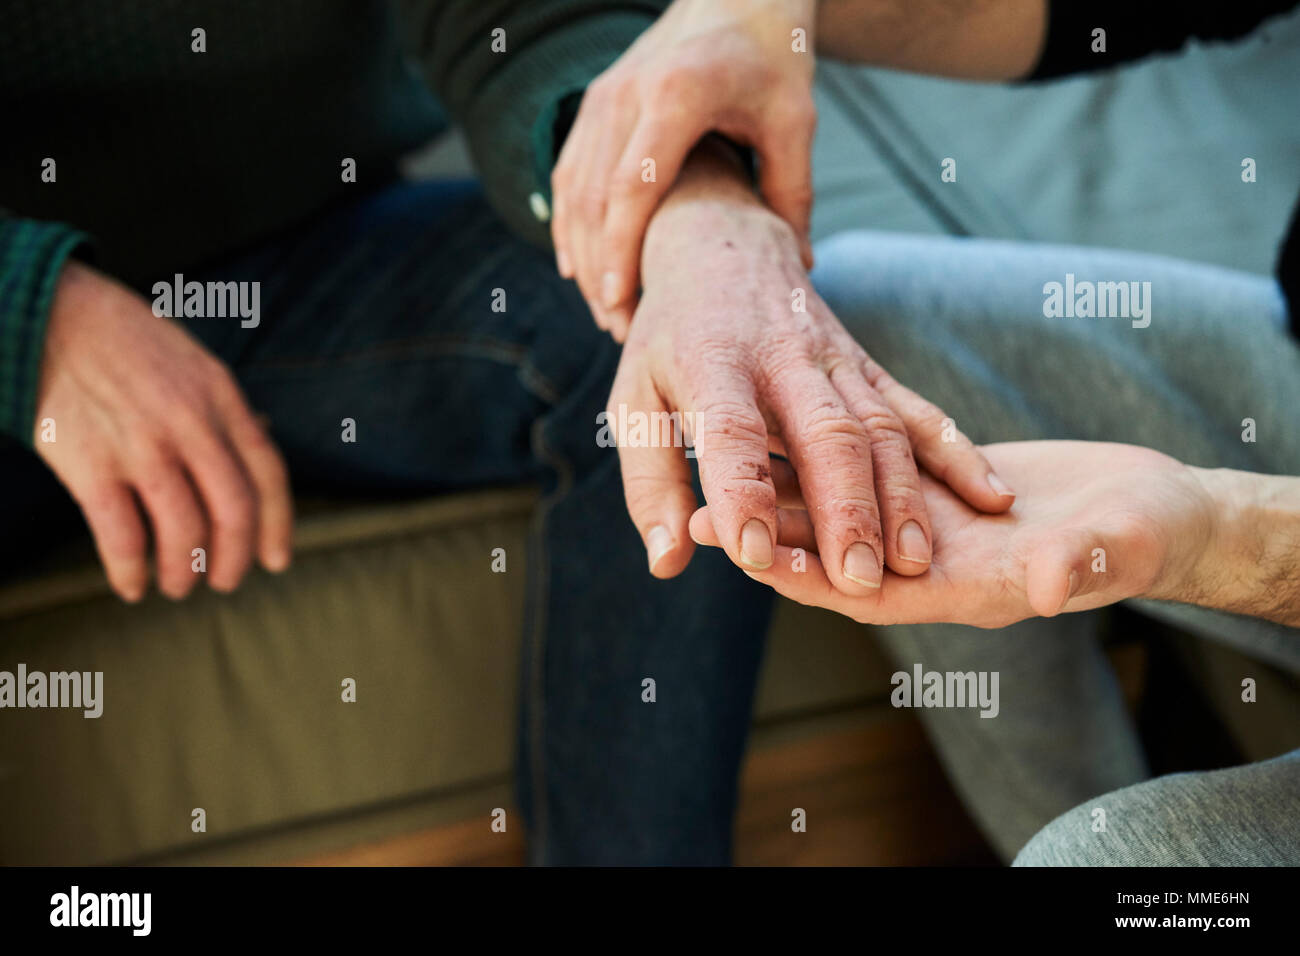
<point>1093,524</point>
<point>706,65</point>
<point>718,336</point>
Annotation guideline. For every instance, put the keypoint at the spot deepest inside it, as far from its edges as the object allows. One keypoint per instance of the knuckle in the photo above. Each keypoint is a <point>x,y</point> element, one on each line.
<point>929,415</point>
<point>191,528</point>
<point>233,514</point>
<point>618,91</point>
<point>732,420</point>
<point>172,409</point>
<point>185,423</point>
<point>884,427</point>
<point>672,84</point>
<point>928,436</point>
<point>98,495</point>
<point>153,466</point>
<point>744,495</point>
<point>830,427</point>
<point>871,370</point>
<point>626,186</point>
<point>902,505</point>
<point>857,516</point>
<point>180,522</point>
<point>781,360</point>
<point>592,201</point>
<point>642,492</point>
<point>900,493</point>
<point>156,483</point>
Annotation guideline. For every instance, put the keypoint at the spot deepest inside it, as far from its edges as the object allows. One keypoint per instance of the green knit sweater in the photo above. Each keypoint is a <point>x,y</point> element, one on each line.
<point>147,146</point>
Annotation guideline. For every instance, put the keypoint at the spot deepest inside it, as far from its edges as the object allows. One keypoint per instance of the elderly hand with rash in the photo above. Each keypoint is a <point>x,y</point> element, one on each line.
<point>730,330</point>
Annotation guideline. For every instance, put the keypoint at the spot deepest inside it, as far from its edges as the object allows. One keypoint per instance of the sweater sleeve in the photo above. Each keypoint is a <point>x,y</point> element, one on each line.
<point>511,73</point>
<point>31,257</point>
<point>1137,29</point>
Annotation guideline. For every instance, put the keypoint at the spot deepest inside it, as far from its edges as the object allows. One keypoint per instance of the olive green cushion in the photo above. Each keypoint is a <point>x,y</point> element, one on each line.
<point>233,704</point>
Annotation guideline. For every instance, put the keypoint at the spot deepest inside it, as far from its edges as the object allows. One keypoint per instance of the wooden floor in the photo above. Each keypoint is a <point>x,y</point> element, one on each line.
<point>873,795</point>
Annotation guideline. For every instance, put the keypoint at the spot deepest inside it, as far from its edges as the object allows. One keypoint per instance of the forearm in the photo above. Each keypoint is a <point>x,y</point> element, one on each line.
<point>1251,564</point>
<point>965,39</point>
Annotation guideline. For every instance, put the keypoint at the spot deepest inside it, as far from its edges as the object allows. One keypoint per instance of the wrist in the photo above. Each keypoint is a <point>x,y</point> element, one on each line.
<point>713,170</point>
<point>1200,577</point>
<point>1248,561</point>
<point>711,202</point>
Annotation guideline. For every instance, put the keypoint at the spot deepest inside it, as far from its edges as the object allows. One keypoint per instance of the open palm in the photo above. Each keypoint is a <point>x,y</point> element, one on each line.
<point>1093,523</point>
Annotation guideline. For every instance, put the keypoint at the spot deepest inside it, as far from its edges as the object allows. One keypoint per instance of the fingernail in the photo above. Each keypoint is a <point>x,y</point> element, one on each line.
<point>999,486</point>
<point>912,545</point>
<point>862,566</point>
<point>756,545</point>
<point>562,263</point>
<point>277,561</point>
<point>609,290</point>
<point>658,543</point>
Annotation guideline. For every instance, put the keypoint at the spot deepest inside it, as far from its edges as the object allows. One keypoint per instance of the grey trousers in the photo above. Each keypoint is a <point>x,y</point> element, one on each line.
<point>1213,380</point>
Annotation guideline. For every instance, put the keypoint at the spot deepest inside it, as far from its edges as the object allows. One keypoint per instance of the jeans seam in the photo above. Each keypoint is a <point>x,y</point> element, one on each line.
<point>535,686</point>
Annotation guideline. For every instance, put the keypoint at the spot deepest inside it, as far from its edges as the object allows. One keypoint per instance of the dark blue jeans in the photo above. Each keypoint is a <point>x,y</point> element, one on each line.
<point>382,312</point>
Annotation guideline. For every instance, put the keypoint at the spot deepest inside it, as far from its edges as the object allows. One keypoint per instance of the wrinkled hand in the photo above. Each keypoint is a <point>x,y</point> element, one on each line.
<point>719,340</point>
<point>706,65</point>
<point>1093,524</point>
<point>146,419</point>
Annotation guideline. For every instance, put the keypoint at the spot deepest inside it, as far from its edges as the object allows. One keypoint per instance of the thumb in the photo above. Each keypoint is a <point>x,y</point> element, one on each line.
<point>1069,567</point>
